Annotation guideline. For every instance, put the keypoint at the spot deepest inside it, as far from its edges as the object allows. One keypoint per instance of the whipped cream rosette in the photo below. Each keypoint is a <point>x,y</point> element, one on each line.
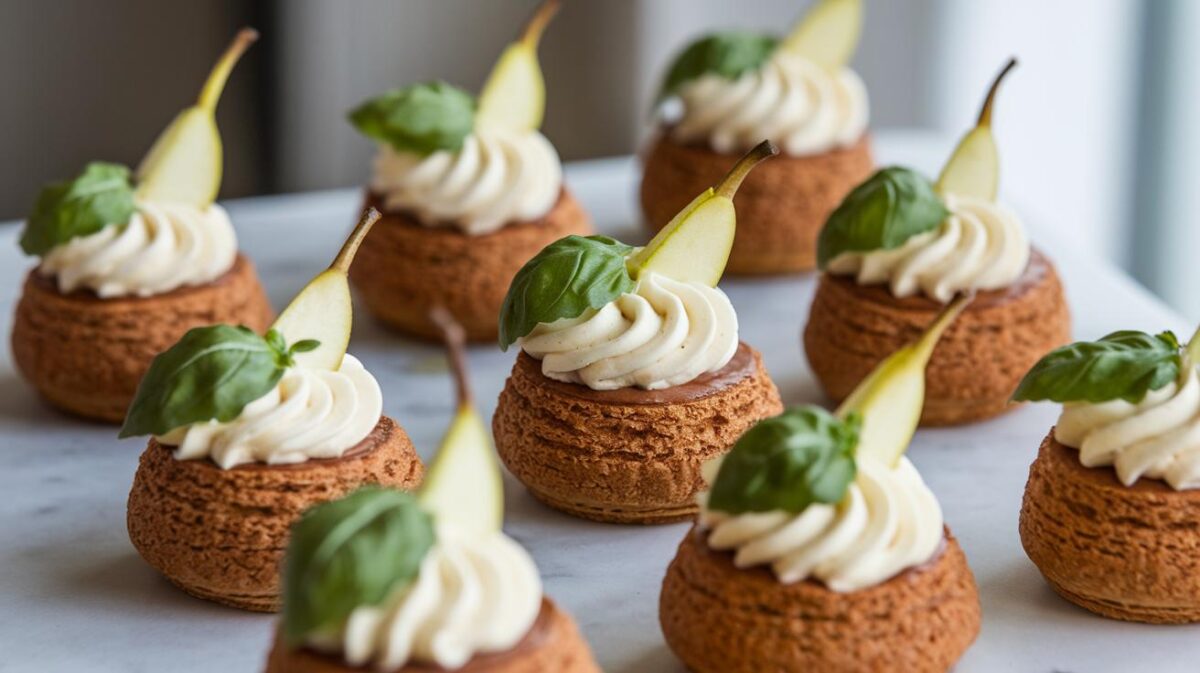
<point>1130,400</point>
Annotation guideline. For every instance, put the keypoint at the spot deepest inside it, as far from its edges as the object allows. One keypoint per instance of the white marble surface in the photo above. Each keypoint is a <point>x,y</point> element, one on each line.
<point>74,595</point>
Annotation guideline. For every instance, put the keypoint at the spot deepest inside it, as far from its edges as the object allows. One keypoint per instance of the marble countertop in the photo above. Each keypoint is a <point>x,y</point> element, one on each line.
<point>75,596</point>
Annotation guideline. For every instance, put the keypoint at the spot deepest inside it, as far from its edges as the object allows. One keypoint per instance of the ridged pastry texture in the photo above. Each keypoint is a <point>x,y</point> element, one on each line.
<point>719,619</point>
<point>221,534</point>
<point>579,451</point>
<point>781,207</point>
<point>404,268</point>
<point>976,365</point>
<point>86,355</point>
<point>1124,552</point>
<point>553,645</point>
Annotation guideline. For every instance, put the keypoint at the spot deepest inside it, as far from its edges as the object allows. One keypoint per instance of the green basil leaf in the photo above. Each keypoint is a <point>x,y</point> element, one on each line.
<point>212,373</point>
<point>725,54</point>
<point>882,213</point>
<point>349,553</point>
<point>421,119</point>
<point>101,196</point>
<point>803,456</point>
<point>568,277</point>
<point>1123,365</point>
<point>305,346</point>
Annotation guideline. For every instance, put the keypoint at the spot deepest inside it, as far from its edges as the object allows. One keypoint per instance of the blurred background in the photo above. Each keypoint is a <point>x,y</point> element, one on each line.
<point>1098,127</point>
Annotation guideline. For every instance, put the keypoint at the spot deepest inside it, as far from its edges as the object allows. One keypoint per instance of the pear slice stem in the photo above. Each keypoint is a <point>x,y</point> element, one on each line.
<point>215,84</point>
<point>732,180</point>
<point>948,315</point>
<point>985,113</point>
<point>345,256</point>
<point>455,339</point>
<point>532,34</point>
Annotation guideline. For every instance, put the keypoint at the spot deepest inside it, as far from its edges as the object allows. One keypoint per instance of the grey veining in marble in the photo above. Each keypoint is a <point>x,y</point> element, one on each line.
<point>75,596</point>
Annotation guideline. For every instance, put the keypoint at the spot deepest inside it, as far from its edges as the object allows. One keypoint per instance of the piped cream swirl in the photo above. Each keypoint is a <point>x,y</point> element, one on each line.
<point>665,333</point>
<point>889,521</point>
<point>473,595</point>
<point>163,247</point>
<point>495,178</point>
<point>980,246</point>
<point>310,413</point>
<point>1157,438</point>
<point>802,107</point>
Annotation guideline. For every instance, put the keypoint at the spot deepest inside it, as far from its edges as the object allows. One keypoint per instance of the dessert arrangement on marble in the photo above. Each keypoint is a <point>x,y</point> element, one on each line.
<point>272,480</point>
<point>469,190</point>
<point>1111,505</point>
<point>899,247</point>
<point>738,88</point>
<point>129,263</point>
<point>426,581</point>
<point>631,372</point>
<point>248,431</point>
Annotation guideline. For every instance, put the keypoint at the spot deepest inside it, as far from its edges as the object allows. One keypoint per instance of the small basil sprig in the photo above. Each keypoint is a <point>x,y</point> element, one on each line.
<point>882,213</point>
<point>568,277</point>
<point>349,553</point>
<point>1123,365</point>
<point>421,119</point>
<point>725,54</point>
<point>803,456</point>
<point>100,196</point>
<point>212,373</point>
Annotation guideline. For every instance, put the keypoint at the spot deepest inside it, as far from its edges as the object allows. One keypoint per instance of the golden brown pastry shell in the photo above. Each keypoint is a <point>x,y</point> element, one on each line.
<point>404,269</point>
<point>553,645</point>
<point>721,619</point>
<point>781,207</point>
<point>221,534</point>
<point>86,355</point>
<point>619,456</point>
<point>1123,552</point>
<point>976,365</point>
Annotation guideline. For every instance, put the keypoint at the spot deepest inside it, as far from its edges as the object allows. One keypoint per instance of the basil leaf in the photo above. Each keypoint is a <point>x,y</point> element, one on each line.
<point>882,213</point>
<point>803,456</point>
<point>421,119</point>
<point>349,553</point>
<point>725,54</point>
<point>212,373</point>
<point>100,196</point>
<point>568,277</point>
<point>1123,365</point>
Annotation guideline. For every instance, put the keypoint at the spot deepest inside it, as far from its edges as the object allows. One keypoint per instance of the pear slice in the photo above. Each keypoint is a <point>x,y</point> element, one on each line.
<point>463,485</point>
<point>695,244</point>
<point>828,35</point>
<point>892,396</point>
<point>185,163</point>
<point>974,168</point>
<point>323,310</point>
<point>514,97</point>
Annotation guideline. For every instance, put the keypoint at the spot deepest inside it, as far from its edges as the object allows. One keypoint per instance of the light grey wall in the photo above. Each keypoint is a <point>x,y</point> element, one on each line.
<point>87,80</point>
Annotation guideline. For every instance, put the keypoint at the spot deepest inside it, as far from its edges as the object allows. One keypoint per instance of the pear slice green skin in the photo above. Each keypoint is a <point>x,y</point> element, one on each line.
<point>891,397</point>
<point>463,485</point>
<point>695,245</point>
<point>974,167</point>
<point>514,97</point>
<point>323,309</point>
<point>185,163</point>
<point>828,35</point>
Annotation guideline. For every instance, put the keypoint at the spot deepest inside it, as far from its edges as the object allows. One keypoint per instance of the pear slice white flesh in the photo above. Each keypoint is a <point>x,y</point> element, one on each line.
<point>323,309</point>
<point>514,97</point>
<point>185,163</point>
<point>828,34</point>
<point>892,396</point>
<point>974,167</point>
<point>695,244</point>
<point>463,485</point>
